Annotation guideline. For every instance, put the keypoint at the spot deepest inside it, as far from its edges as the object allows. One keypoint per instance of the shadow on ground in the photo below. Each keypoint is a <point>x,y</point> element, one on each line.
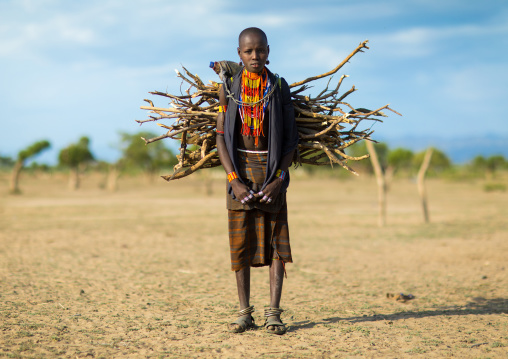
<point>478,305</point>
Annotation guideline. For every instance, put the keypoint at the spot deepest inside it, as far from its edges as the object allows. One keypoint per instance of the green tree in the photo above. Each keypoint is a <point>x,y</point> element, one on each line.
<point>479,163</point>
<point>438,163</point>
<point>490,165</point>
<point>6,162</point>
<point>400,159</point>
<point>360,149</point>
<point>75,157</point>
<point>31,151</point>
<point>138,156</point>
<point>496,163</point>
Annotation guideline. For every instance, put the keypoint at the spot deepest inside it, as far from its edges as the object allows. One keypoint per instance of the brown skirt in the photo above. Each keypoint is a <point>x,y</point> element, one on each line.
<point>252,171</point>
<point>257,234</point>
<point>256,238</point>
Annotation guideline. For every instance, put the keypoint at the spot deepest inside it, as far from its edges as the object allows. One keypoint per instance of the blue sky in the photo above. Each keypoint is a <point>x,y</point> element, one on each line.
<point>74,68</point>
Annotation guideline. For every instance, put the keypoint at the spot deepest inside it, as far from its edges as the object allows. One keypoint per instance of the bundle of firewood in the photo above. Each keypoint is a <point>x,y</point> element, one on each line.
<point>327,125</point>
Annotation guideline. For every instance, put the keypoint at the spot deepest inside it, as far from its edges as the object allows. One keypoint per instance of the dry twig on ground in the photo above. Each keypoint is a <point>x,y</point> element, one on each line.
<point>327,125</point>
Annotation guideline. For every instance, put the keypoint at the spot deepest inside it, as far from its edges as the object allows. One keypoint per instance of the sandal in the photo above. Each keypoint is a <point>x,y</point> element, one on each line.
<point>243,323</point>
<point>272,321</point>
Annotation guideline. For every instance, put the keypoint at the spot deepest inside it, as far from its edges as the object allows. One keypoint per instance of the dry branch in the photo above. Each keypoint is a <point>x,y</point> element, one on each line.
<point>324,136</point>
<point>362,45</point>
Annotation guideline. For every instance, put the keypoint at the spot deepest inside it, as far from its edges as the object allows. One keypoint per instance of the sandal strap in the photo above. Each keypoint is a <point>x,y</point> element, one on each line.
<point>246,311</point>
<point>269,312</point>
<point>243,323</point>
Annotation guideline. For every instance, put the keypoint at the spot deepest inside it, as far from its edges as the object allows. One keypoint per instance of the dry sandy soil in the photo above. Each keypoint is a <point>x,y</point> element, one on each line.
<point>144,272</point>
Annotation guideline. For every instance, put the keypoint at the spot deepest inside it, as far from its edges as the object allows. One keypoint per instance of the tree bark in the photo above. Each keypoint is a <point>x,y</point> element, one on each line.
<point>14,184</point>
<point>112,180</point>
<point>381,183</point>
<point>421,184</point>
<point>74,179</point>
<point>208,183</point>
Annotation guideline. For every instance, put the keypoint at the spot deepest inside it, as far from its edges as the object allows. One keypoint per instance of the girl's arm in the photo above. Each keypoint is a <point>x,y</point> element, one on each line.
<point>242,192</point>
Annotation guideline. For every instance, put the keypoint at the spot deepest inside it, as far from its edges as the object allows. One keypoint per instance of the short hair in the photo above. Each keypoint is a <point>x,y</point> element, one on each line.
<point>252,30</point>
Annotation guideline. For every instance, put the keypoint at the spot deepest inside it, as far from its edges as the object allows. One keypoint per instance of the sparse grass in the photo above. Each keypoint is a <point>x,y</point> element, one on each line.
<point>144,272</point>
<point>416,350</point>
<point>494,187</point>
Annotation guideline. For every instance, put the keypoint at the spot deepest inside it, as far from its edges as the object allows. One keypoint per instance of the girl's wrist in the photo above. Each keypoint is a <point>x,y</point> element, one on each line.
<point>281,174</point>
<point>232,176</point>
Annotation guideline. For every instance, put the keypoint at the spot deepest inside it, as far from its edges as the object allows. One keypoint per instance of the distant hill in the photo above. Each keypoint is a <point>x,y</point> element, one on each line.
<point>460,149</point>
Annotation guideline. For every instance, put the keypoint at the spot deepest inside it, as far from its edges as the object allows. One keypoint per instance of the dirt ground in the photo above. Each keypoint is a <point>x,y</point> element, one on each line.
<point>145,272</point>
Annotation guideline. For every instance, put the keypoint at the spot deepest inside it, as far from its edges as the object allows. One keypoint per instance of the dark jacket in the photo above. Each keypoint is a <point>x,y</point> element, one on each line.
<point>282,130</point>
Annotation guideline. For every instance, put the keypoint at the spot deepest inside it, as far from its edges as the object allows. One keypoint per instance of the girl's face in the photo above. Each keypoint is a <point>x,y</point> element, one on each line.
<point>253,52</point>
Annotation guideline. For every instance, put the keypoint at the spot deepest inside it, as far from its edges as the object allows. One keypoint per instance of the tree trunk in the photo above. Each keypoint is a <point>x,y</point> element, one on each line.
<point>381,183</point>
<point>421,184</point>
<point>14,185</point>
<point>390,170</point>
<point>74,179</point>
<point>207,182</point>
<point>209,186</point>
<point>112,180</point>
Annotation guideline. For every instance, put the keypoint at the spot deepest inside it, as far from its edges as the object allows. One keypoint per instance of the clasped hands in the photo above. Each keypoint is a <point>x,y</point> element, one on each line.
<point>245,194</point>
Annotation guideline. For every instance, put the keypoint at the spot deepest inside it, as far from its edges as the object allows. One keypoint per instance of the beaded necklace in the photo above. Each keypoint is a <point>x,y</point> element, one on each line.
<point>253,102</point>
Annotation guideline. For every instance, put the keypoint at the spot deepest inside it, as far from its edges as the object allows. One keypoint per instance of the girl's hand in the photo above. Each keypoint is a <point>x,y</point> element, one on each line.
<point>271,191</point>
<point>242,192</point>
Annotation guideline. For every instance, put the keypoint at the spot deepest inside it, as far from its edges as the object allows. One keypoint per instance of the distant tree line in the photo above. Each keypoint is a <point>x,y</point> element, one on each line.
<point>136,158</point>
<point>76,158</point>
<point>386,164</point>
<point>403,162</point>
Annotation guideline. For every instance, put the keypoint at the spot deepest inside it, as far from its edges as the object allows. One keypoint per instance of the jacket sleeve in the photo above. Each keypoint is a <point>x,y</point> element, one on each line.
<point>290,131</point>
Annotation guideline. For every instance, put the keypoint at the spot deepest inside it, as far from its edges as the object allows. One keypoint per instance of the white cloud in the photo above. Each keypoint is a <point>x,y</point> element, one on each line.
<point>44,31</point>
<point>35,36</point>
<point>482,85</point>
<point>428,41</point>
<point>408,43</point>
<point>101,57</point>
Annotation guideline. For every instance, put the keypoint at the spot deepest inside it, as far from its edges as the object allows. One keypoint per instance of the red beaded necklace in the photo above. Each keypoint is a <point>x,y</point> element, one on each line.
<point>253,103</point>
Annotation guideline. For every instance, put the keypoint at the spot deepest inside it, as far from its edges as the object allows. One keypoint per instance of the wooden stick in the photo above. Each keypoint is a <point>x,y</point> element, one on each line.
<point>192,169</point>
<point>359,48</point>
<point>182,112</point>
<point>323,117</point>
<point>421,183</point>
<point>381,183</point>
<point>317,134</point>
<point>325,129</point>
